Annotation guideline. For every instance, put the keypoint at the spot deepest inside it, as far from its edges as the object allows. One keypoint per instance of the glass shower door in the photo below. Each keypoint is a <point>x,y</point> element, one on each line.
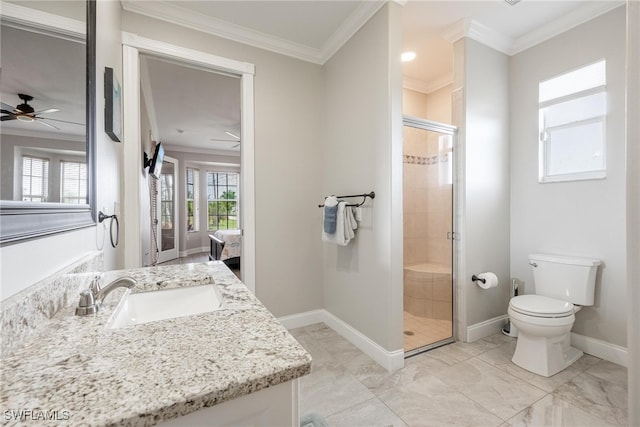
<point>428,230</point>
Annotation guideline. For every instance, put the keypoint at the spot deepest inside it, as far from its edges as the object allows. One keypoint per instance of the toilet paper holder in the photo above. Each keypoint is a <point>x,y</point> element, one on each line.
<point>475,278</point>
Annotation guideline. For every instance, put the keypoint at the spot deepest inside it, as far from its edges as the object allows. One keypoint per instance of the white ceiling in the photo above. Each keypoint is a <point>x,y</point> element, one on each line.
<point>32,69</point>
<point>313,30</point>
<point>190,107</point>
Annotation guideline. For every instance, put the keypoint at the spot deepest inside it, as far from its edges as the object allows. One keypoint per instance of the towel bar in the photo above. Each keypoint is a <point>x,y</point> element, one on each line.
<point>364,199</point>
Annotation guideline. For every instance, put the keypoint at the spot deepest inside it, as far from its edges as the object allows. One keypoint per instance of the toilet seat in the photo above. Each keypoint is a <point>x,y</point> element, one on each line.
<point>541,306</point>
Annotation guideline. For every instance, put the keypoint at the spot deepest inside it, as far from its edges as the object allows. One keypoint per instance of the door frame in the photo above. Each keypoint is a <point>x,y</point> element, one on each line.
<point>459,320</point>
<point>165,255</point>
<point>132,46</point>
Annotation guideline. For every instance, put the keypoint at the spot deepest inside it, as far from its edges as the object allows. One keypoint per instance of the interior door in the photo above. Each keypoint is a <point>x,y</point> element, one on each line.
<point>167,227</point>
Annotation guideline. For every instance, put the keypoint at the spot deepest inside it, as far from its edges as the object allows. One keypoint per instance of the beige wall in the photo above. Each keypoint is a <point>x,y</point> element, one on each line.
<point>633,206</point>
<point>360,93</point>
<point>481,112</point>
<point>414,103</point>
<point>287,170</point>
<point>581,217</point>
<point>55,252</point>
<point>439,105</point>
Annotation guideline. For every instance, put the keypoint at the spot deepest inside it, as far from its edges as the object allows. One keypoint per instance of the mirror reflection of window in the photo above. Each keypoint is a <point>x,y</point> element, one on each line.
<point>73,182</point>
<point>35,179</point>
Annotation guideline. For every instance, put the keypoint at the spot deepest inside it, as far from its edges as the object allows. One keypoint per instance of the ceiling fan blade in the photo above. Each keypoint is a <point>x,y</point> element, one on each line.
<point>3,111</point>
<point>11,116</point>
<point>42,122</point>
<point>61,121</point>
<point>50,110</point>
<point>7,106</point>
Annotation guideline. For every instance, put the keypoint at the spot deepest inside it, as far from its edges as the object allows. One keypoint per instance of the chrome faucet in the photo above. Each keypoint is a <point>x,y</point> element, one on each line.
<point>91,299</point>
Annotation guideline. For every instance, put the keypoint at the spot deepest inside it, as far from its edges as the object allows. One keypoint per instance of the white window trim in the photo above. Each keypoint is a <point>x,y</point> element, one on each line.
<point>543,154</point>
<point>196,200</point>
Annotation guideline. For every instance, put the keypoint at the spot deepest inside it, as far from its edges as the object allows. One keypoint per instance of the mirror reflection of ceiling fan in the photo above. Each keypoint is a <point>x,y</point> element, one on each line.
<point>26,113</point>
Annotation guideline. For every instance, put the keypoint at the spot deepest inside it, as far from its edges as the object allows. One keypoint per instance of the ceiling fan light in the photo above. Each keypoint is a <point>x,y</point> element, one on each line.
<point>25,118</point>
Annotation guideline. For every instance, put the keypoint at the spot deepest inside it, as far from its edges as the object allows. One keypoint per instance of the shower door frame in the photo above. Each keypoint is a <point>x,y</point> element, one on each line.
<point>446,129</point>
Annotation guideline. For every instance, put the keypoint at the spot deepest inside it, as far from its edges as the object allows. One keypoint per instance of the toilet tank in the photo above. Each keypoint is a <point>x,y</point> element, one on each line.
<point>571,279</point>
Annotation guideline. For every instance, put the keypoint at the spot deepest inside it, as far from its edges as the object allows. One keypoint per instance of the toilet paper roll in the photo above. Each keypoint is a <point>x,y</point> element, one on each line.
<point>490,280</point>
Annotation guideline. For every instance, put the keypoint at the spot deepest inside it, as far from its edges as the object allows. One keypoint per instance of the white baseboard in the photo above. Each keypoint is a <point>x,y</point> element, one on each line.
<point>602,349</point>
<point>193,251</point>
<point>302,319</point>
<point>486,328</point>
<point>390,360</point>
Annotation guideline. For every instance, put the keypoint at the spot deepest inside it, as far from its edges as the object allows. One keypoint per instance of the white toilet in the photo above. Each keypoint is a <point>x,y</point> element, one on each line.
<point>544,320</point>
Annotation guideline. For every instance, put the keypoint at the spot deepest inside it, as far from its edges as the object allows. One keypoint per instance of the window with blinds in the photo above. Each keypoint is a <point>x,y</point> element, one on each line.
<point>73,182</point>
<point>35,179</point>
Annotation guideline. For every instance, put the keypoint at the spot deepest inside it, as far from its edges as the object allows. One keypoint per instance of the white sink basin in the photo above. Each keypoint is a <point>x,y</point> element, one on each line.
<point>148,307</point>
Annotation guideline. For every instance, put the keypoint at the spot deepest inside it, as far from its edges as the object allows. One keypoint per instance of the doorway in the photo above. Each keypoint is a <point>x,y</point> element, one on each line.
<point>133,46</point>
<point>428,264</point>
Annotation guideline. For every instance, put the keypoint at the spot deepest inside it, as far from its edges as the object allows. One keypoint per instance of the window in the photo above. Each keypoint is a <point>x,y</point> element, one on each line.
<point>222,200</point>
<point>192,199</point>
<point>35,179</point>
<point>572,112</point>
<point>73,182</point>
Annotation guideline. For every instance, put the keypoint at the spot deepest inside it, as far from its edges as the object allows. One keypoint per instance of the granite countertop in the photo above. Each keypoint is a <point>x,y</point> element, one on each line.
<point>79,372</point>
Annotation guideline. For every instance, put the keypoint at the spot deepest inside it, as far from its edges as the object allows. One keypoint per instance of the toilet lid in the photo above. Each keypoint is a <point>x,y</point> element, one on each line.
<point>541,306</point>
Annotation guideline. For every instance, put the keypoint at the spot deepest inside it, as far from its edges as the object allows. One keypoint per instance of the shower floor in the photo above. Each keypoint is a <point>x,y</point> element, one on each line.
<point>421,331</point>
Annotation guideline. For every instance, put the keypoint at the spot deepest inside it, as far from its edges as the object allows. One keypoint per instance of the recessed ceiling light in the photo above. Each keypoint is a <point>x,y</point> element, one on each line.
<point>232,135</point>
<point>408,56</point>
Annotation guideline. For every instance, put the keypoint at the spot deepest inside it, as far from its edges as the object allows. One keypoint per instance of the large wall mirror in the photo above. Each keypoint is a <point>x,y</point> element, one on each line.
<point>47,133</point>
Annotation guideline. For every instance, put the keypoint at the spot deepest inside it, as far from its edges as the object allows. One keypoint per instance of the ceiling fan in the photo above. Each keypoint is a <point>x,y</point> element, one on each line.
<point>237,140</point>
<point>26,113</point>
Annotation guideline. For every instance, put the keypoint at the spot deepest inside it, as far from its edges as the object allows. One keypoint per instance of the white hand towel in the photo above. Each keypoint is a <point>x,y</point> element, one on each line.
<point>349,223</point>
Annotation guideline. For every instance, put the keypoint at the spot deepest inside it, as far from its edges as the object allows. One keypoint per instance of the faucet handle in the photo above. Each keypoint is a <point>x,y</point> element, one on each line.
<point>95,284</point>
<point>87,304</point>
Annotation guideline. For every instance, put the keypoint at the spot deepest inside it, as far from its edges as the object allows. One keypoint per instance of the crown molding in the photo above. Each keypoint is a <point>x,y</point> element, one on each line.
<point>583,14</point>
<point>44,21</point>
<point>197,21</point>
<point>59,136</point>
<point>178,15</point>
<point>427,87</point>
<point>202,151</point>
<point>348,28</point>
<point>507,45</point>
<point>480,33</point>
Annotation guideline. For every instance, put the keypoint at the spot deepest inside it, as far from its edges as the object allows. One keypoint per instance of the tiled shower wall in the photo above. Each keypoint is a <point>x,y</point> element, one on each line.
<point>427,209</point>
<point>427,199</point>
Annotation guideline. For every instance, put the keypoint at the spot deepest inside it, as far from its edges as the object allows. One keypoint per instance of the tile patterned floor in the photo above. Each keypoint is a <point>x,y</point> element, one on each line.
<point>461,384</point>
<point>425,331</point>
